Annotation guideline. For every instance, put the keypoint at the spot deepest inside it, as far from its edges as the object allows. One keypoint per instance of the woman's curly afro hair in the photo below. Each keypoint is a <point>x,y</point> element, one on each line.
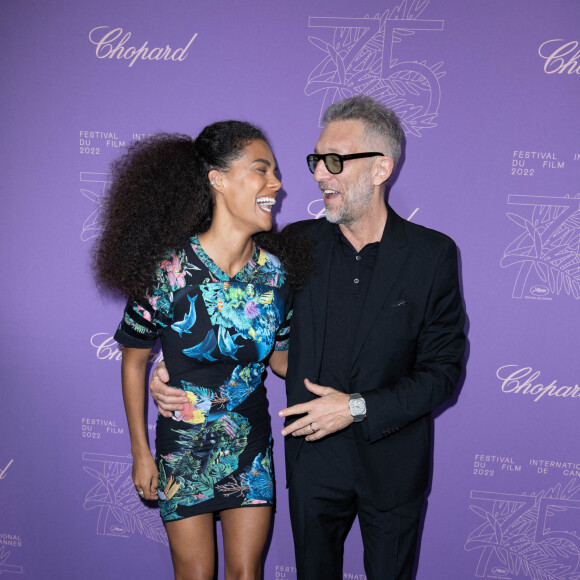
<point>160,196</point>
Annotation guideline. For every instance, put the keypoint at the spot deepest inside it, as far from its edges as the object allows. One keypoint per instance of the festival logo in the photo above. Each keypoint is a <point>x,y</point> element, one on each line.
<point>528,535</point>
<point>287,572</point>
<point>96,428</point>
<point>371,56</point>
<point>94,188</point>
<point>95,185</point>
<point>96,142</point>
<point>6,568</point>
<point>560,57</point>
<point>544,253</point>
<point>8,541</point>
<point>120,511</point>
<point>113,43</point>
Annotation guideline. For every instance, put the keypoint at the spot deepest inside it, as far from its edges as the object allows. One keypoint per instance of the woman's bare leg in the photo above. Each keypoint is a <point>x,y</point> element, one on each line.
<point>192,547</point>
<point>245,532</point>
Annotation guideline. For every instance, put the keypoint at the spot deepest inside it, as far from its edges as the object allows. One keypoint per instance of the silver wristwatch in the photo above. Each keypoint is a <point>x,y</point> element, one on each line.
<point>358,407</point>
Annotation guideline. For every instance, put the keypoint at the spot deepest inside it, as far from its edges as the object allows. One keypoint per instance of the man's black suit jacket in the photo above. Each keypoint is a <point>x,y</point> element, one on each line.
<point>407,352</point>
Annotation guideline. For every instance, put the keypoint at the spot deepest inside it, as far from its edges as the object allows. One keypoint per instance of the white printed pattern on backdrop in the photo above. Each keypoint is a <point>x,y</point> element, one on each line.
<point>365,56</point>
<point>560,57</point>
<point>92,225</point>
<point>533,535</point>
<point>546,250</point>
<point>120,511</point>
<point>111,44</point>
<point>522,380</point>
<point>6,568</point>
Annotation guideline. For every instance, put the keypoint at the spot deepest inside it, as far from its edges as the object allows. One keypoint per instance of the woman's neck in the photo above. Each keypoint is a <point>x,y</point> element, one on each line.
<point>229,249</point>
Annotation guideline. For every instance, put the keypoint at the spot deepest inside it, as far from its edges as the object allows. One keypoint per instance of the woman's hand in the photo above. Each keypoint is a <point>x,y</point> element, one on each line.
<point>145,476</point>
<point>133,369</point>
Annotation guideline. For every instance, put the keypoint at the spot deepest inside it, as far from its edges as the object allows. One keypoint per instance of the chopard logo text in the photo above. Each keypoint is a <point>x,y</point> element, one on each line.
<point>109,349</point>
<point>560,56</point>
<point>111,43</point>
<point>525,381</point>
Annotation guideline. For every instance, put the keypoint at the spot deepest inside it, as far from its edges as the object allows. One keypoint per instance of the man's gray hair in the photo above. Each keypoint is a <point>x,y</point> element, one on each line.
<point>378,120</point>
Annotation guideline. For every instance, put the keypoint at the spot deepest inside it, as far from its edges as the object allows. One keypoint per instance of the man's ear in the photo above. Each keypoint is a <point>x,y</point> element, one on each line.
<point>382,171</point>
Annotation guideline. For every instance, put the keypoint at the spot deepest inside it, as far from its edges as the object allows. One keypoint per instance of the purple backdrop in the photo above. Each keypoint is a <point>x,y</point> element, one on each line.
<point>488,93</point>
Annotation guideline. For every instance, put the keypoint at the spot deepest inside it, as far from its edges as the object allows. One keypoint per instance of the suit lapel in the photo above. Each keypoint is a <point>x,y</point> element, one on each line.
<point>390,259</point>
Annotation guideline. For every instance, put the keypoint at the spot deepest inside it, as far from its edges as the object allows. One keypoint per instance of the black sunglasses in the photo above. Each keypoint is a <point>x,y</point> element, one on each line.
<point>333,161</point>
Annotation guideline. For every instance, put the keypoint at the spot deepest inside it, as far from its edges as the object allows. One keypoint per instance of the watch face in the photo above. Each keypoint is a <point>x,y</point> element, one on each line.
<point>357,407</point>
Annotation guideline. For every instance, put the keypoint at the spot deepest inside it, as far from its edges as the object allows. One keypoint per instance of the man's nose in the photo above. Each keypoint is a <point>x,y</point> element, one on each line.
<point>321,173</point>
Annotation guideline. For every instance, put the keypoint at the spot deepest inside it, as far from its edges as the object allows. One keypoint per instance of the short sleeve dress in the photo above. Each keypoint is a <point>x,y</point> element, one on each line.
<point>215,333</point>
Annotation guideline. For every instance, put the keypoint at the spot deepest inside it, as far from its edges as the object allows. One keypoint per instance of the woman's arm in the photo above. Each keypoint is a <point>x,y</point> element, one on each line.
<point>279,362</point>
<point>133,371</point>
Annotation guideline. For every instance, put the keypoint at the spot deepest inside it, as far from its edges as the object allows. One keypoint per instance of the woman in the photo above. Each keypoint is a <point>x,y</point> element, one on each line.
<point>185,238</point>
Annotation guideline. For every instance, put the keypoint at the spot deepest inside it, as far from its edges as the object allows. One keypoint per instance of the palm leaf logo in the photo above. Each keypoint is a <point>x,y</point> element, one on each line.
<point>548,245</point>
<point>519,533</point>
<point>359,59</point>
<point>95,192</point>
<point>120,510</point>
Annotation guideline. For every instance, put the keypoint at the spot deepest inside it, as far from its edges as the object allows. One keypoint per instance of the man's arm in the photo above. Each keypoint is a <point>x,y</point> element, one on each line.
<point>169,399</point>
<point>166,398</point>
<point>325,415</point>
<point>432,380</point>
<point>438,358</point>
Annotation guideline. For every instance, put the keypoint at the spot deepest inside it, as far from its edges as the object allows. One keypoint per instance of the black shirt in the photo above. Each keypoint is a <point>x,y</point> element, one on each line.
<point>350,276</point>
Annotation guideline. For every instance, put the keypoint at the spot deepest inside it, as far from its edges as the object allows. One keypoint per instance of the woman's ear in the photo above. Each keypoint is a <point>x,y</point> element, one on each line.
<point>215,180</point>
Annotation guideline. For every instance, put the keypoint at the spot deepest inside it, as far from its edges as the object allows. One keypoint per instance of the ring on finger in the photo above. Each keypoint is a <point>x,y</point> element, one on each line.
<point>140,492</point>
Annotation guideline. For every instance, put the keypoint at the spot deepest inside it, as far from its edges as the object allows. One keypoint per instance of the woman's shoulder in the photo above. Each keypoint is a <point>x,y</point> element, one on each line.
<point>176,267</point>
<point>269,269</point>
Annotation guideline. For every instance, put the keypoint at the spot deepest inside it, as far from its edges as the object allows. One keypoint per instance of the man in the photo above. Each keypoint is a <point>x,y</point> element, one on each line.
<point>376,345</point>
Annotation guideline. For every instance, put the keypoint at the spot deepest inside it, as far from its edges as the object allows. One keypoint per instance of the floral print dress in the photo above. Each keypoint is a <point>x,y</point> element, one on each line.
<point>215,333</point>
